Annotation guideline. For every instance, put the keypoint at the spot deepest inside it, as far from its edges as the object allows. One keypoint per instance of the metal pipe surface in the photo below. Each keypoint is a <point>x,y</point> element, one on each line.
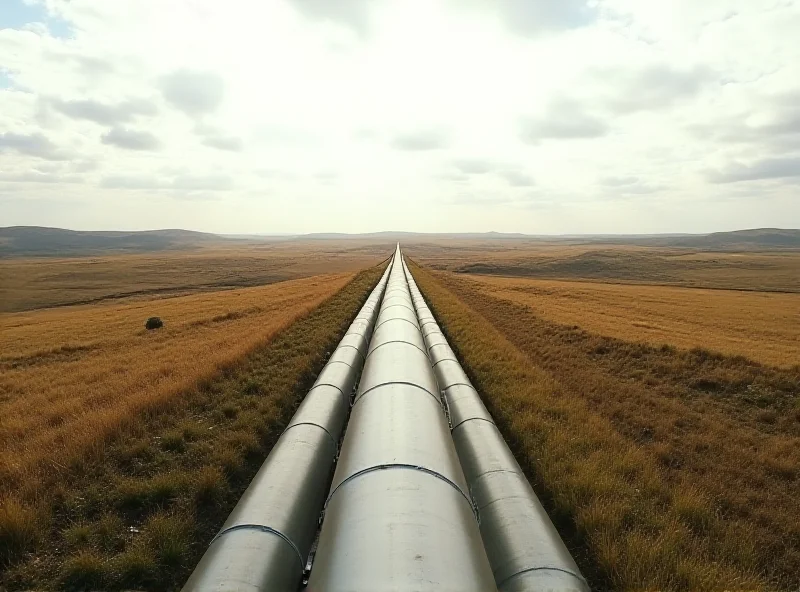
<point>398,516</point>
<point>265,542</point>
<point>525,550</point>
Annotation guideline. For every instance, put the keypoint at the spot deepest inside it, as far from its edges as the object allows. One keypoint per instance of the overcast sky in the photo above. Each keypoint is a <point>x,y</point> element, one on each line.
<point>537,116</point>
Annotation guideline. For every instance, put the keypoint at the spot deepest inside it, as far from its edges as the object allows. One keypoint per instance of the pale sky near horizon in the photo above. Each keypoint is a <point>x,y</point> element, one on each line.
<point>284,116</point>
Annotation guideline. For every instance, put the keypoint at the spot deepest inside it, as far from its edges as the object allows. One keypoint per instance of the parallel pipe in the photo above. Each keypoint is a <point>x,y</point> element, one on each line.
<point>264,544</point>
<point>525,550</point>
<point>398,516</point>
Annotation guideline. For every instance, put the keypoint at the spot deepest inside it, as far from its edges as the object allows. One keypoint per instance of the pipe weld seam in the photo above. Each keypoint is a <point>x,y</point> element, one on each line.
<point>444,359</point>
<point>396,341</point>
<point>363,343</point>
<point>377,386</point>
<point>338,388</point>
<point>458,384</point>
<point>268,530</point>
<point>546,568</point>
<point>406,466</point>
<point>397,319</point>
<point>500,499</point>
<point>463,421</point>
<point>475,479</point>
<point>396,305</point>
<point>311,423</point>
<point>430,347</point>
<point>352,347</point>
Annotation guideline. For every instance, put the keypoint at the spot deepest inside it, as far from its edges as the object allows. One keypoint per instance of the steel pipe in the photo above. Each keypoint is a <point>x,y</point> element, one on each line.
<point>265,543</point>
<point>525,550</point>
<point>398,516</point>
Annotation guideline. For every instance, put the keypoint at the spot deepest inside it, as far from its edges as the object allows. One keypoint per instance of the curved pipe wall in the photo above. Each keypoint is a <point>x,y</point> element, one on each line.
<point>525,551</point>
<point>264,544</point>
<point>398,516</point>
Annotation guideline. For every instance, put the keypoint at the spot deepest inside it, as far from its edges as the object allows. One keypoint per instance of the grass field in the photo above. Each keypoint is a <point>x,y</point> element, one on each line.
<point>651,394</point>
<point>666,468</point>
<point>73,376</point>
<point>762,326</point>
<point>37,282</point>
<point>743,270</point>
<point>138,511</point>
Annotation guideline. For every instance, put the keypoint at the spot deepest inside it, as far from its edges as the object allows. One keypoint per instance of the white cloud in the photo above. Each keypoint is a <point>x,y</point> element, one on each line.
<point>131,139</point>
<point>196,93</point>
<point>767,168</point>
<point>563,119</point>
<point>34,144</point>
<point>103,113</point>
<point>356,115</point>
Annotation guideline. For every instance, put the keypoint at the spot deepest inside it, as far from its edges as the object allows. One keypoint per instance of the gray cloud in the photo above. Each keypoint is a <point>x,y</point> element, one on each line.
<point>480,199</point>
<point>326,177</point>
<point>564,119</point>
<point>653,87</point>
<point>229,143</point>
<point>129,182</point>
<point>193,92</point>
<point>36,144</point>
<point>780,127</point>
<point>210,182</point>
<point>105,114</point>
<point>203,182</point>
<point>94,66</point>
<point>621,186</point>
<point>87,65</point>
<point>517,178</point>
<point>214,138</point>
<point>353,14</point>
<point>421,140</point>
<point>534,17</point>
<point>768,168</point>
<point>40,177</point>
<point>474,166</point>
<point>451,176</point>
<point>131,139</point>
<point>618,181</point>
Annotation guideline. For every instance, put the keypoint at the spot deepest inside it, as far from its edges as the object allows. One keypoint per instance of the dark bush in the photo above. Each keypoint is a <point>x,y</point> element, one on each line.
<point>154,323</point>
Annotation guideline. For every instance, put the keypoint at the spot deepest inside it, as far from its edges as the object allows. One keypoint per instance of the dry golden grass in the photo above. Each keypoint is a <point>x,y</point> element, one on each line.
<point>664,469</point>
<point>29,283</point>
<point>745,270</point>
<point>70,377</point>
<point>139,513</point>
<point>759,325</point>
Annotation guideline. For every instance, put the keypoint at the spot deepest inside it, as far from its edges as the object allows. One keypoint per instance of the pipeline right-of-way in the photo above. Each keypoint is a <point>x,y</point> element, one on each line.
<point>426,495</point>
<point>525,550</point>
<point>398,516</point>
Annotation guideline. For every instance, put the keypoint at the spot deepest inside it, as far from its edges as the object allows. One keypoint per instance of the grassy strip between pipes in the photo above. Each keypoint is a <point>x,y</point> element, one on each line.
<point>629,527</point>
<point>141,515</point>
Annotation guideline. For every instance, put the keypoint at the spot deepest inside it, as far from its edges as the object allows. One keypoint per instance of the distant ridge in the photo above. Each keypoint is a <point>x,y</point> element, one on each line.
<point>397,234</point>
<point>43,241</point>
<point>39,240</point>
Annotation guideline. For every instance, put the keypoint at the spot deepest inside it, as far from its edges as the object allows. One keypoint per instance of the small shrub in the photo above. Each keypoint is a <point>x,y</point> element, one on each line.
<point>252,387</point>
<point>168,536</point>
<point>210,486</point>
<point>18,529</point>
<point>135,567</point>
<point>153,323</point>
<point>84,571</point>
<point>78,535</point>
<point>109,532</point>
<point>141,494</point>
<point>173,441</point>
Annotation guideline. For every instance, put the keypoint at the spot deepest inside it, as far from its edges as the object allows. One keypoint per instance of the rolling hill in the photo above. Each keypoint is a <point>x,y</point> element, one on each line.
<point>37,240</point>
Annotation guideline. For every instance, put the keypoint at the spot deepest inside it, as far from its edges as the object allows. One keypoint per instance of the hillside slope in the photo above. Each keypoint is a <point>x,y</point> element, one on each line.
<point>38,240</point>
